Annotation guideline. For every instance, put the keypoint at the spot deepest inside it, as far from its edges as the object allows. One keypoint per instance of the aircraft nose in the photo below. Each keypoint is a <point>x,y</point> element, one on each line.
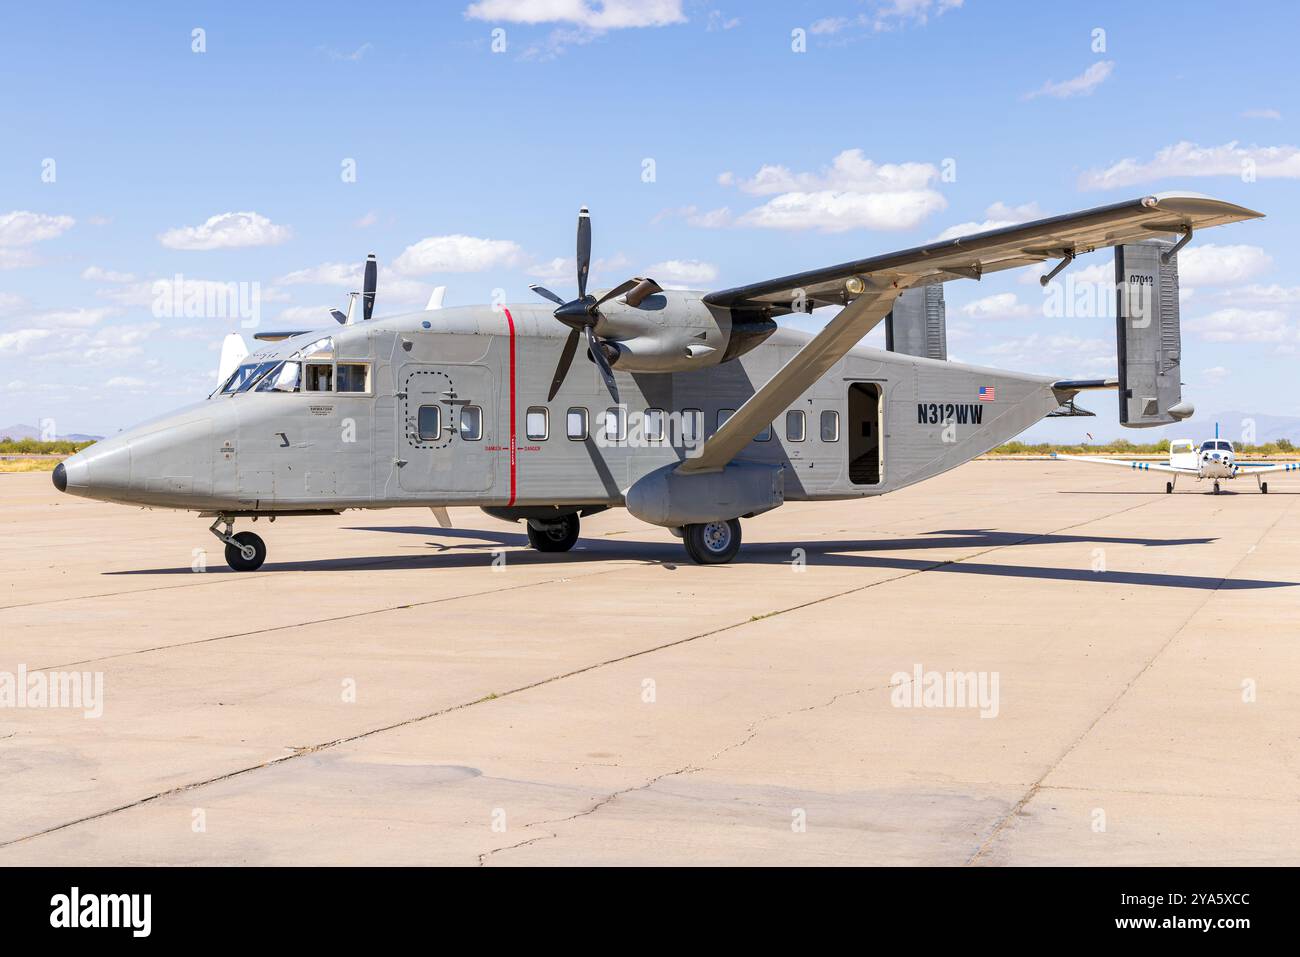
<point>60,477</point>
<point>100,470</point>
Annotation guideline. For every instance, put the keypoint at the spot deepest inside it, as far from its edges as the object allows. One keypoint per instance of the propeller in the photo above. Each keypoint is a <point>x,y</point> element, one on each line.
<point>581,315</point>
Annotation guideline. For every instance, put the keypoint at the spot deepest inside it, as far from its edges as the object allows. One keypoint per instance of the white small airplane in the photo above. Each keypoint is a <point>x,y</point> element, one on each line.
<point>1216,460</point>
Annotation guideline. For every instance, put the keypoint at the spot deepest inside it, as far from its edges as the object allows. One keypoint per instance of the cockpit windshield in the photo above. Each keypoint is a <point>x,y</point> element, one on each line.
<point>1210,445</point>
<point>243,378</point>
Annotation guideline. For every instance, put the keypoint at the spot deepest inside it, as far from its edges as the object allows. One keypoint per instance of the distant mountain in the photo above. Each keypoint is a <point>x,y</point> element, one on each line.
<point>31,432</point>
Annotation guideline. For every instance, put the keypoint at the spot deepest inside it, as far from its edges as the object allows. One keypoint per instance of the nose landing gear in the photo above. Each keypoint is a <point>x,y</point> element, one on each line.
<point>1216,486</point>
<point>245,551</point>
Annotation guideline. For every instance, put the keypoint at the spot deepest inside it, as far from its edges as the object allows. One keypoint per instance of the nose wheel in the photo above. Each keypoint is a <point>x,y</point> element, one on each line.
<point>1216,488</point>
<point>245,551</point>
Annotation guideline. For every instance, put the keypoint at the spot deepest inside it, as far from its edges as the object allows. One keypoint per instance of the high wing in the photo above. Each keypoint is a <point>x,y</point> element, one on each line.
<point>1247,468</point>
<point>868,287</point>
<point>1126,463</point>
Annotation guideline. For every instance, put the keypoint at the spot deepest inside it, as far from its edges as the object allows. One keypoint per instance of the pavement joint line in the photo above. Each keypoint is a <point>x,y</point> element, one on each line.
<point>348,739</point>
<point>1169,794</point>
<point>324,621</point>
<point>1037,786</point>
<point>749,734</point>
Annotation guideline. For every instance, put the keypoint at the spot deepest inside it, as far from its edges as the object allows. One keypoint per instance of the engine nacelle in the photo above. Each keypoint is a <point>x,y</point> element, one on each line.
<point>676,332</point>
<point>668,498</point>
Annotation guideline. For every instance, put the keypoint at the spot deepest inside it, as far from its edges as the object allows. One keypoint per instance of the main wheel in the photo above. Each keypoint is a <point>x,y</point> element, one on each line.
<point>1169,488</point>
<point>712,543</point>
<point>559,537</point>
<point>248,555</point>
<point>1263,487</point>
<point>1216,488</point>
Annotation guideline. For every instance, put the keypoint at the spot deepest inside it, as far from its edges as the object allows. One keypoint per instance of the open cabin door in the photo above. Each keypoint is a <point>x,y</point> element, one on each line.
<point>446,429</point>
<point>866,433</point>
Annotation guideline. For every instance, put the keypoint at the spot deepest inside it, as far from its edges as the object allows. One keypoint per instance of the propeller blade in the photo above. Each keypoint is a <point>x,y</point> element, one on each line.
<point>566,359</point>
<point>644,288</point>
<point>617,291</point>
<point>368,288</point>
<point>584,250</point>
<point>602,363</point>
<point>546,294</point>
<point>339,316</point>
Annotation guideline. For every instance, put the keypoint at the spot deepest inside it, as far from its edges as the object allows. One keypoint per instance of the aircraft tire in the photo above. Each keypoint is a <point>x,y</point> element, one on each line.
<point>1169,488</point>
<point>235,555</point>
<point>560,537</point>
<point>1263,487</point>
<point>1216,488</point>
<point>712,543</point>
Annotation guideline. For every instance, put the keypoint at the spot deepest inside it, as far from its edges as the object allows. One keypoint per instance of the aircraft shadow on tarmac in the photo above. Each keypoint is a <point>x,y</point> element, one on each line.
<point>476,552</point>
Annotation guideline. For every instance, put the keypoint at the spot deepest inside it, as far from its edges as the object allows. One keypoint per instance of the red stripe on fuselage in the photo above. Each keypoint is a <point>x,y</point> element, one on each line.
<point>511,323</point>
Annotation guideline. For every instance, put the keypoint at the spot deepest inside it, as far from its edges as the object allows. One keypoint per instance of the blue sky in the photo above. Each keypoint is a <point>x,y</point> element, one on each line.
<point>228,165</point>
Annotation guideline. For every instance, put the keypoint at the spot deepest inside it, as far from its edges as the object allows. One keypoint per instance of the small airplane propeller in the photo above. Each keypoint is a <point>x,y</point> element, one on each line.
<point>581,315</point>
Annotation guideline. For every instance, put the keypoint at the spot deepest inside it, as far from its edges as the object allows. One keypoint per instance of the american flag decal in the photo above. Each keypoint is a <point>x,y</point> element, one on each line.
<point>987,393</point>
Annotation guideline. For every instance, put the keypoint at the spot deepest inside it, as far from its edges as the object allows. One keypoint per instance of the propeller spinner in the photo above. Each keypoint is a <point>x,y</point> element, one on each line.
<point>582,314</point>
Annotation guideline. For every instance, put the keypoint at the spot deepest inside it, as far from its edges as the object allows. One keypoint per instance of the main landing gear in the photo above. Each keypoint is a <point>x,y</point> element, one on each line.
<point>1169,488</point>
<point>712,543</point>
<point>1216,487</point>
<point>553,536</point>
<point>245,551</point>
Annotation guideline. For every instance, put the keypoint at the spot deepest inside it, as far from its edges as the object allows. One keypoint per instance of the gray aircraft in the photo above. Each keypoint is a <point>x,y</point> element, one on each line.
<point>692,410</point>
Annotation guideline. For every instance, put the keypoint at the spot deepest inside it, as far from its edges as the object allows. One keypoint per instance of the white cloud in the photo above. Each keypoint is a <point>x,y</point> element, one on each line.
<point>1003,305</point>
<point>683,271</point>
<point>1188,159</point>
<point>80,317</point>
<point>828,25</point>
<point>1272,295</point>
<point>17,258</point>
<point>833,212</point>
<point>10,302</point>
<point>315,315</point>
<point>609,15</point>
<point>1081,85</point>
<point>1211,265</point>
<point>1243,325</point>
<point>853,192</point>
<point>20,341</point>
<point>369,219</point>
<point>125,382</point>
<point>1058,353</point>
<point>227,231</point>
<point>22,227</point>
<point>885,15</point>
<point>560,269</point>
<point>849,171</point>
<point>326,274</point>
<point>720,21</point>
<point>456,253</point>
<point>1262,114</point>
<point>352,57</point>
<point>999,216</point>
<point>96,274</point>
<point>1215,374</point>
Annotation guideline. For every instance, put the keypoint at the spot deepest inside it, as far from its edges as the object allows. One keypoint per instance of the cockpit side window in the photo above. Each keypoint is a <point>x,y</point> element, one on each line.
<point>283,378</point>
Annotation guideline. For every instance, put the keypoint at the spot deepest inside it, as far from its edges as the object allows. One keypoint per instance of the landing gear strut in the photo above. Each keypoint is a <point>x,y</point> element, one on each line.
<point>245,551</point>
<point>712,543</point>
<point>553,536</point>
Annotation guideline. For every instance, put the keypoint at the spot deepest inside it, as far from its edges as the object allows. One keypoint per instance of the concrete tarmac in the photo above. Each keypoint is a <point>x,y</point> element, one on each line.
<point>384,691</point>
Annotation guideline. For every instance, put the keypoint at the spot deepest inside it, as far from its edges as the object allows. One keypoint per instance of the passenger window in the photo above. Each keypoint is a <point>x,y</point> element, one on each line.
<point>830,426</point>
<point>654,425</point>
<point>576,424</point>
<point>615,424</point>
<point>795,426</point>
<point>429,423</point>
<point>765,435</point>
<point>724,415</point>
<point>319,377</point>
<point>692,420</point>
<point>353,377</point>
<point>471,423</point>
<point>539,426</point>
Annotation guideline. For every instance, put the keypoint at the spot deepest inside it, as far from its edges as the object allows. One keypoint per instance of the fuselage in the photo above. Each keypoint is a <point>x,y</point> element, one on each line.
<point>449,407</point>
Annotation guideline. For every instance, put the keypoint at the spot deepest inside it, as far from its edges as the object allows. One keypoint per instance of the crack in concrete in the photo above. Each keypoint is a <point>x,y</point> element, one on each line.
<point>1038,785</point>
